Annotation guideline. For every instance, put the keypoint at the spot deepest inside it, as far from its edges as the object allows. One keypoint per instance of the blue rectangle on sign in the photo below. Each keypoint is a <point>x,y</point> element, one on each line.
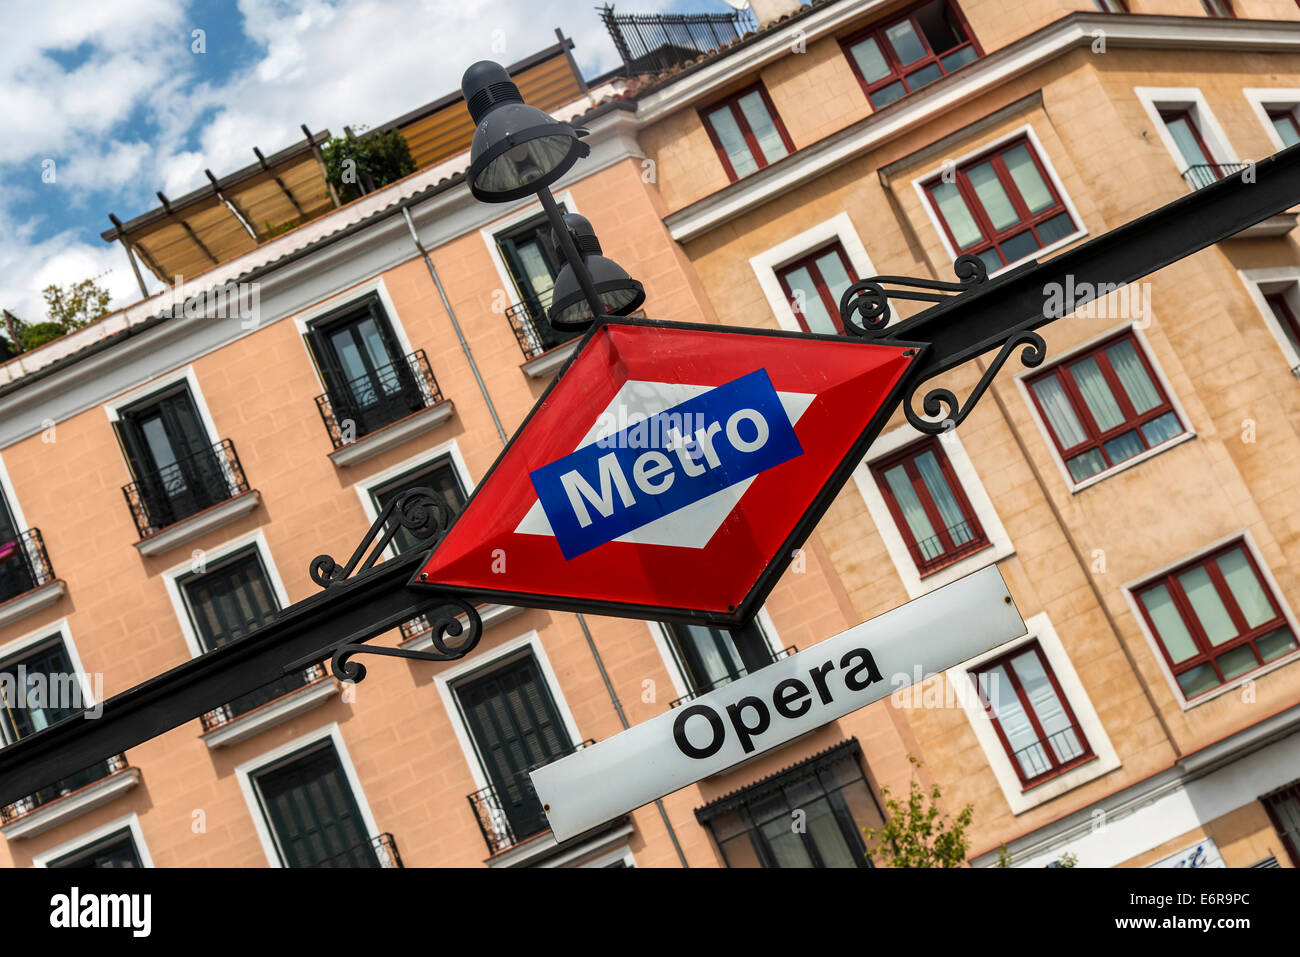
<point>665,463</point>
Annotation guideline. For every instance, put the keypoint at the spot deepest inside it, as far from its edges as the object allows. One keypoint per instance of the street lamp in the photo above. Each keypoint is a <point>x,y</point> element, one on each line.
<point>619,293</point>
<point>520,150</point>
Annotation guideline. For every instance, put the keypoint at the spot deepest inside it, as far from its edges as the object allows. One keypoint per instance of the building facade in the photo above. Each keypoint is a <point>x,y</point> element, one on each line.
<point>1134,489</point>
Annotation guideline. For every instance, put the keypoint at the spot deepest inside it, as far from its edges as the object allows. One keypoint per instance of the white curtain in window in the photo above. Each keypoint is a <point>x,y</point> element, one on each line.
<point>1246,589</point>
<point>1133,376</point>
<point>1047,706</point>
<point>954,212</point>
<point>997,204</point>
<point>808,301</point>
<point>1033,190</point>
<point>944,499</point>
<point>1096,393</point>
<point>1060,414</point>
<point>909,502</point>
<point>1170,629</point>
<point>836,277</point>
<point>764,129</point>
<point>733,141</point>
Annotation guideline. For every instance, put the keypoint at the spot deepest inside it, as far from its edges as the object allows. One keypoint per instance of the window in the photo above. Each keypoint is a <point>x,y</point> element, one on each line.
<point>929,506</point>
<point>1284,121</point>
<point>116,850</point>
<point>312,811</point>
<point>1201,168</point>
<point>1104,407</point>
<point>814,284</point>
<point>1283,806</point>
<point>533,262</point>
<point>368,380</point>
<point>904,54</point>
<point>178,470</point>
<point>233,598</point>
<point>24,565</point>
<point>1215,620</point>
<point>1031,715</point>
<point>746,132</point>
<point>706,656</point>
<point>38,688</point>
<point>1001,207</point>
<point>1285,316</point>
<point>1217,8</point>
<point>440,476</point>
<point>515,727</point>
<point>752,826</point>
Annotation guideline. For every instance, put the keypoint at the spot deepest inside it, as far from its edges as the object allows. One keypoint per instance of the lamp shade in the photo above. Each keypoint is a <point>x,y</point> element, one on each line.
<point>619,293</point>
<point>517,149</point>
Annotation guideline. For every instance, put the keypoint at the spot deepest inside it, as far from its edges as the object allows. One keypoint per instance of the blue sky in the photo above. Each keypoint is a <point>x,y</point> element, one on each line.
<point>111,101</point>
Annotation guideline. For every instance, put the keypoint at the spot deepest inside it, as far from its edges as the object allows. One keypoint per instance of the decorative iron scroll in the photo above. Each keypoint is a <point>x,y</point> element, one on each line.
<point>869,298</point>
<point>421,511</point>
<point>942,403</point>
<point>444,620</point>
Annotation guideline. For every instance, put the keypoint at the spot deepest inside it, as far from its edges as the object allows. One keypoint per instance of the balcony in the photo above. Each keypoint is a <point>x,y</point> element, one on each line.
<point>947,547</point>
<point>69,798</point>
<point>27,581</point>
<point>378,851</point>
<point>266,707</point>
<point>188,498</point>
<point>537,340</point>
<point>374,412</point>
<point>713,685</point>
<point>510,817</point>
<point>1203,174</point>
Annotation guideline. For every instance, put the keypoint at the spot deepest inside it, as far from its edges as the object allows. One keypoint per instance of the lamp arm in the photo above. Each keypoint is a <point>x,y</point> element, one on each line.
<point>570,251</point>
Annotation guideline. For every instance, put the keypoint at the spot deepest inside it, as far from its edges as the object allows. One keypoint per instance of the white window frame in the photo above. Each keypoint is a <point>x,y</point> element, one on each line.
<point>302,321</point>
<point>1154,99</point>
<point>1131,588</point>
<point>1104,759</point>
<point>485,662</point>
<point>504,224</point>
<point>172,581</point>
<point>449,450</point>
<point>680,682</point>
<point>187,375</point>
<point>1260,99</point>
<point>130,821</point>
<point>896,544</point>
<point>246,771</point>
<point>839,228</point>
<point>1026,132</point>
<point>41,635</point>
<point>1021,380</point>
<point>1268,282</point>
<point>11,498</point>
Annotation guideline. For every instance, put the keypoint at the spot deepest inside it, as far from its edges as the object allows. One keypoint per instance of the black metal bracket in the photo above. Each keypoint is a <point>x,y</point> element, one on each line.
<point>421,511</point>
<point>868,299</point>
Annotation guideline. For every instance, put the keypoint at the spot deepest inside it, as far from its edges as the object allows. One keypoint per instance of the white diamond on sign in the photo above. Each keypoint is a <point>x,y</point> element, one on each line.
<point>772,706</point>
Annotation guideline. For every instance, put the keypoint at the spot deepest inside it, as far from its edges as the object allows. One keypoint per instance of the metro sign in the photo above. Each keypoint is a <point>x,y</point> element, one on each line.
<point>670,471</point>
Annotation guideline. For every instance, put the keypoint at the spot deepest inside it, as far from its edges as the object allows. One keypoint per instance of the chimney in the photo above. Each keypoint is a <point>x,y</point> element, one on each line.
<point>767,12</point>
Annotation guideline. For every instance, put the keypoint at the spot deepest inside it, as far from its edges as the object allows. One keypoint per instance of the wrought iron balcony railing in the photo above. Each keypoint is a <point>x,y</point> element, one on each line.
<point>654,42</point>
<point>1052,753</point>
<point>162,497</point>
<point>367,403</point>
<point>727,679</point>
<point>61,789</point>
<point>931,554</point>
<point>378,851</point>
<point>512,813</point>
<point>532,330</point>
<point>248,703</point>
<point>1203,174</point>
<point>24,565</point>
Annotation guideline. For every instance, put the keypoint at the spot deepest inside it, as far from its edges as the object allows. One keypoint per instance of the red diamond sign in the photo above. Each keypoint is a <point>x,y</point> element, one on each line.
<point>668,470</point>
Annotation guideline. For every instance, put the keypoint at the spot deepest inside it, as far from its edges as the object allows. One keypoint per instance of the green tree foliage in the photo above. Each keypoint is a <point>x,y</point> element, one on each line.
<point>67,307</point>
<point>916,833</point>
<point>354,164</point>
<point>74,305</point>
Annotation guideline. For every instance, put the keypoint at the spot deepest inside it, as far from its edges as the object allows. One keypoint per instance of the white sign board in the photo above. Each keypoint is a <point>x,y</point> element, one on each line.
<point>787,698</point>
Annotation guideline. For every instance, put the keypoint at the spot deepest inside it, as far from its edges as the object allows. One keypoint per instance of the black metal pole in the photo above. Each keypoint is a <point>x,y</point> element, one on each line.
<point>751,644</point>
<point>570,251</point>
